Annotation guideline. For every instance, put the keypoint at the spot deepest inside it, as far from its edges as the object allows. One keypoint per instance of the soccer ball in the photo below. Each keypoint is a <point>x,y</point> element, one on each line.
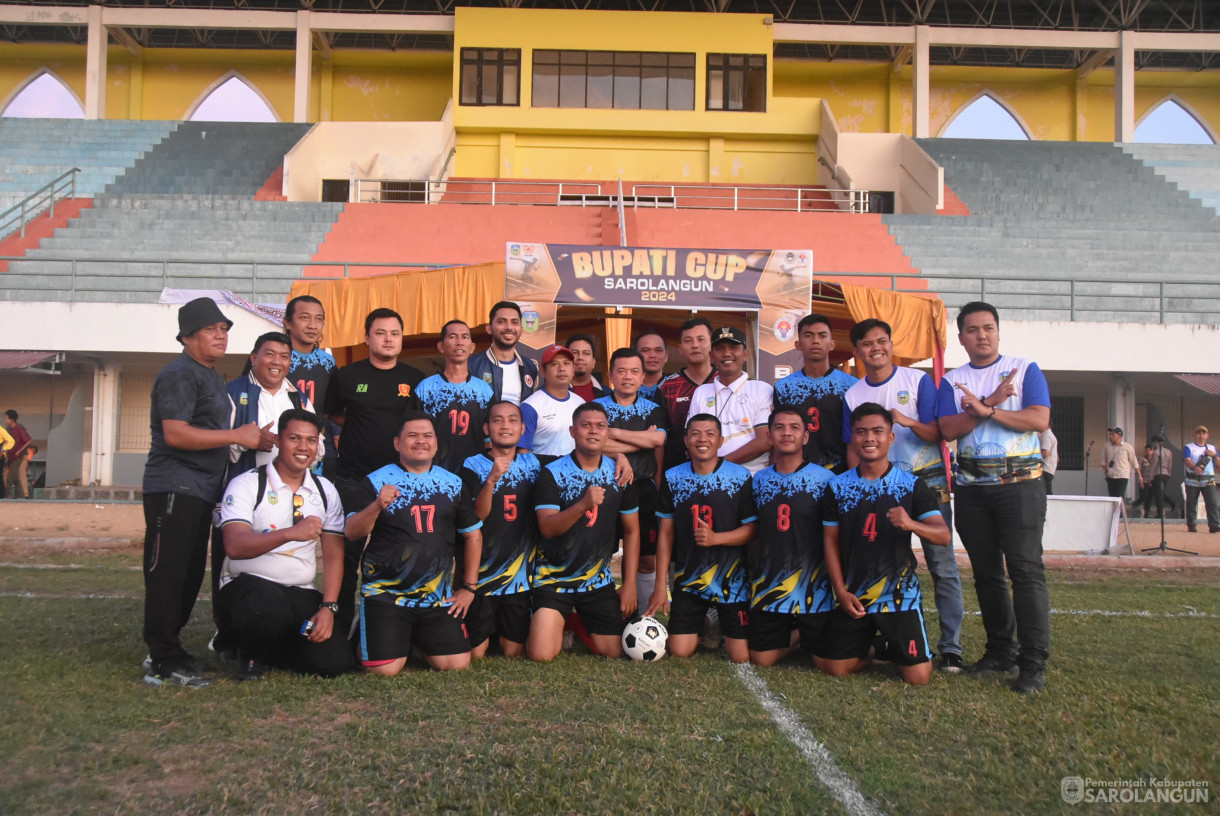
<point>644,639</point>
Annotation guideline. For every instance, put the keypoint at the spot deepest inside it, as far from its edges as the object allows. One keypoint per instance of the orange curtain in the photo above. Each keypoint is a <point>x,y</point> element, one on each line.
<point>425,298</point>
<point>918,323</point>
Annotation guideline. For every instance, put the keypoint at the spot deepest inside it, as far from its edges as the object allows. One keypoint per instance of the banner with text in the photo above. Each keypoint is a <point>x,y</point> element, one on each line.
<point>771,285</point>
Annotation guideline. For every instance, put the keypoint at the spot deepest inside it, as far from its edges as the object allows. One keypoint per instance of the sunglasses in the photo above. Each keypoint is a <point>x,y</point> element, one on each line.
<point>298,502</point>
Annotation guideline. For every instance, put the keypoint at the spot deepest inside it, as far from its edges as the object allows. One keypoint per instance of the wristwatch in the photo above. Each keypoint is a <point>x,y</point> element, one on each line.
<point>332,606</point>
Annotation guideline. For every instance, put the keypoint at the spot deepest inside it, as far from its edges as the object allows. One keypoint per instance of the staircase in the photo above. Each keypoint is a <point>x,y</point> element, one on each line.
<point>212,158</point>
<point>1192,168</point>
<point>35,151</point>
<point>126,249</point>
<point>1066,231</point>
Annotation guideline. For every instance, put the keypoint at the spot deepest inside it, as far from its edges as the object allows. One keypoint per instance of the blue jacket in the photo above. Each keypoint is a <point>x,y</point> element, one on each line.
<point>486,367</point>
<point>243,396</point>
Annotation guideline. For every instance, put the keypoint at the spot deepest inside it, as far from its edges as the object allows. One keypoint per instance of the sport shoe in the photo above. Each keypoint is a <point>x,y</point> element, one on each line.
<point>950,662</point>
<point>1030,681</point>
<point>176,676</point>
<point>147,662</point>
<point>994,664</point>
<point>248,669</point>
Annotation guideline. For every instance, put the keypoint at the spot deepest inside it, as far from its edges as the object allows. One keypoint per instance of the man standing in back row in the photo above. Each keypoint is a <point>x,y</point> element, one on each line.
<point>996,408</point>
<point>368,399</point>
<point>742,405</point>
<point>817,389</point>
<point>511,376</point>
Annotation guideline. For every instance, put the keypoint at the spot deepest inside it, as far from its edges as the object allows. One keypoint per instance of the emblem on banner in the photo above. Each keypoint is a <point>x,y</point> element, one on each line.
<point>530,321</point>
<point>784,330</point>
<point>514,250</point>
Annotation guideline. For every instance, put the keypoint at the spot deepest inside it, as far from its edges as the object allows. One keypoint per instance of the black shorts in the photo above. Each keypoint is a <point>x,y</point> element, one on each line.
<point>850,637</point>
<point>599,609</point>
<point>506,615</point>
<point>387,631</point>
<point>687,611</point>
<point>648,497</point>
<point>769,631</point>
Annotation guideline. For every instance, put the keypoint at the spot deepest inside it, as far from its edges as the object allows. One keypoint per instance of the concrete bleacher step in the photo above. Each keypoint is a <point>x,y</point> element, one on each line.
<point>212,158</point>
<point>1065,230</point>
<point>1193,169</point>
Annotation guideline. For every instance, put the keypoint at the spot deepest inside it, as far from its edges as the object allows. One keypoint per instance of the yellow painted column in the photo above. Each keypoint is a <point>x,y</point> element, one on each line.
<point>715,160</point>
<point>508,154</point>
<point>328,91</point>
<point>135,89</point>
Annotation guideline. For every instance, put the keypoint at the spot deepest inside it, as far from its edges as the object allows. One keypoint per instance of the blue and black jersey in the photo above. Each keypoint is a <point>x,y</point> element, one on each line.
<point>786,568</point>
<point>821,402</point>
<point>639,416</point>
<point>878,564</point>
<point>409,558</point>
<point>579,560</point>
<point>510,531</point>
<point>649,392</point>
<point>310,374</point>
<point>724,500</point>
<point>459,411</point>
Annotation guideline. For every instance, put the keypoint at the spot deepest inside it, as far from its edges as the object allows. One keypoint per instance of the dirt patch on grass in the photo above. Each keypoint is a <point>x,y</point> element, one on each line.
<point>49,519</point>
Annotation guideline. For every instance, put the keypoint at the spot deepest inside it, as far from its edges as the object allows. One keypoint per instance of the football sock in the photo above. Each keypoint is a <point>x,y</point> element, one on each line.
<point>645,583</point>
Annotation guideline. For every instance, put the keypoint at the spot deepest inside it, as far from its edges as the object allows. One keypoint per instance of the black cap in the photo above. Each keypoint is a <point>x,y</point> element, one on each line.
<point>728,334</point>
<point>1116,430</point>
<point>198,313</point>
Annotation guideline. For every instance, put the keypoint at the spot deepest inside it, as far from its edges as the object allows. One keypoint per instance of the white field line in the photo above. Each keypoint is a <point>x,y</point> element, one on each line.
<point>824,766</point>
<point>12,565</point>
<point>84,596</point>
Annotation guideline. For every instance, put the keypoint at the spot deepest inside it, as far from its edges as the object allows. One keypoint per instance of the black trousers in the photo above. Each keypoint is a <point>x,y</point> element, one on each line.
<point>349,492</point>
<point>1156,491</point>
<point>1001,528</point>
<point>1117,488</point>
<point>175,557</point>
<point>266,617</point>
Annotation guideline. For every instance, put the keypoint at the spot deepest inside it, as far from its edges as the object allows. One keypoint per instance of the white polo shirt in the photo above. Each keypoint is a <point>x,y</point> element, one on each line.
<point>547,423</point>
<point>295,562</point>
<point>742,407</point>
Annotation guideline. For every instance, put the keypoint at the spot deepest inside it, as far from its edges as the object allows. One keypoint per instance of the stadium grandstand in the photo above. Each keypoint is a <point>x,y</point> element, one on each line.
<point>409,135</point>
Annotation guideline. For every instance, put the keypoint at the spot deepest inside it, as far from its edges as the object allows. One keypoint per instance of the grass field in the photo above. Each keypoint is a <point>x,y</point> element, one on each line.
<point>1129,696</point>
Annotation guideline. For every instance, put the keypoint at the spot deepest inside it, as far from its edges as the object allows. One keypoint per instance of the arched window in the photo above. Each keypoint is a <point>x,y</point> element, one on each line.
<point>984,117</point>
<point>1171,122</point>
<point>45,96</point>
<point>232,99</point>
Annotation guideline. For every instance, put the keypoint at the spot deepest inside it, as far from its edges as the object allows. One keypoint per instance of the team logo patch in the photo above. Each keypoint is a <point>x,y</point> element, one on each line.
<point>784,330</point>
<point>711,402</point>
<point>404,390</point>
<point>245,400</point>
<point>530,321</point>
<point>229,500</point>
<point>529,380</point>
<point>904,397</point>
<point>273,497</point>
<point>487,378</point>
<point>362,388</point>
<point>315,500</point>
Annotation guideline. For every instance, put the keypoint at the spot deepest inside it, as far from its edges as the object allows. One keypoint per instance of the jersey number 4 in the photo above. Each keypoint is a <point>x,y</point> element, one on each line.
<point>423,513</point>
<point>870,527</point>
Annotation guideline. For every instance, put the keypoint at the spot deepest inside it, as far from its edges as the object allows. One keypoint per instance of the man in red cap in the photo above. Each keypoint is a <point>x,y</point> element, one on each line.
<point>183,480</point>
<point>547,413</point>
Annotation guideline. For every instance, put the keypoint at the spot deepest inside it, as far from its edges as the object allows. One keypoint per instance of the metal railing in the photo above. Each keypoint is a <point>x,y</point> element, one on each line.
<point>1075,299</point>
<point>591,194</point>
<point>16,217</point>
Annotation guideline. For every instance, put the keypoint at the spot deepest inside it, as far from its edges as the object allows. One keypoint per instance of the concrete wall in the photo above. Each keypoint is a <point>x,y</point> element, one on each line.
<point>894,163</point>
<point>365,150</point>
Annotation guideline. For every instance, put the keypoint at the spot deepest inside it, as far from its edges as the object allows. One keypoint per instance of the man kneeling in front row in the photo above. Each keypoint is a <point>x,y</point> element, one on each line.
<point>869,514</point>
<point>272,520</point>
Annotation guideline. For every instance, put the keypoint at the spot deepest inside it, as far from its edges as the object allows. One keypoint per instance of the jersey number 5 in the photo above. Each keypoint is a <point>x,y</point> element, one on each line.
<point>423,513</point>
<point>510,507</point>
